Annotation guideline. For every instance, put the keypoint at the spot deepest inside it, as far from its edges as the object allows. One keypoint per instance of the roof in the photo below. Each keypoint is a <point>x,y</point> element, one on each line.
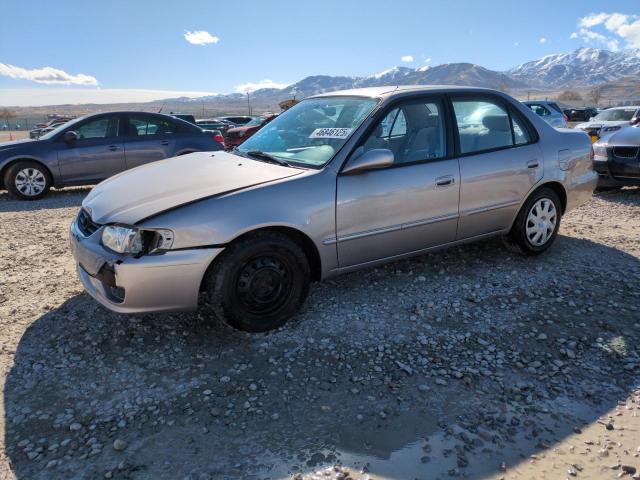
<point>376,92</point>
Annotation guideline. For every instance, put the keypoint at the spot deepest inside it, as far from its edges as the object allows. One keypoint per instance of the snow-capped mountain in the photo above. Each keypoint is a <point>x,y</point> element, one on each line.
<point>585,66</point>
<point>580,68</point>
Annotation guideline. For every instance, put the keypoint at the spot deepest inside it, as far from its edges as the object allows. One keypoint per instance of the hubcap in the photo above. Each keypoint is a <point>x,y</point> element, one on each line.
<point>30,181</point>
<point>263,285</point>
<point>541,222</point>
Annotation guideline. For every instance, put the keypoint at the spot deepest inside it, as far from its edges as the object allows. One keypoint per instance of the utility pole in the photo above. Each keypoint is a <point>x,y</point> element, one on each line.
<point>248,102</point>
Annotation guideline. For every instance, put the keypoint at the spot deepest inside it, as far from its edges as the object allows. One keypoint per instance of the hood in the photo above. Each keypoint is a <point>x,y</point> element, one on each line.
<point>4,146</point>
<point>242,129</point>
<point>159,186</point>
<point>610,123</point>
<point>625,137</point>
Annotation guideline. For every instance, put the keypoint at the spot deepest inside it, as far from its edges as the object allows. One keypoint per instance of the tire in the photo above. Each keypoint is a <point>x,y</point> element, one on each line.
<point>258,282</point>
<point>27,180</point>
<point>527,236</point>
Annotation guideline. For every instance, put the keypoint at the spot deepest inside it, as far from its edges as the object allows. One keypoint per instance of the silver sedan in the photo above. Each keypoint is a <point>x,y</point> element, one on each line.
<point>341,181</point>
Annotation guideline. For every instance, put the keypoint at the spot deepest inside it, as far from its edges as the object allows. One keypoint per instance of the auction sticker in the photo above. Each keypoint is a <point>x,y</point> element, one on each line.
<point>330,133</point>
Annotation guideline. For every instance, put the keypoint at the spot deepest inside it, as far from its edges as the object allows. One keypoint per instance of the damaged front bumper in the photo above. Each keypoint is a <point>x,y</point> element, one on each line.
<point>169,281</point>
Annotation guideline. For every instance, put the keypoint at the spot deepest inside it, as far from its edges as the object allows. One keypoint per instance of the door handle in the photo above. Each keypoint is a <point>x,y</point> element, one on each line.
<point>113,148</point>
<point>444,181</point>
<point>164,142</point>
<point>533,164</point>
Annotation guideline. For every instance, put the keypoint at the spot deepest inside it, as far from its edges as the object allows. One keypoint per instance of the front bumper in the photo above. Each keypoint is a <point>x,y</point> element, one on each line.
<point>153,283</point>
<point>616,172</point>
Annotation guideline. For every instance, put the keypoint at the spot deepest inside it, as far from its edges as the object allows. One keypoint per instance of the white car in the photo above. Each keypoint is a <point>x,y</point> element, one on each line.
<point>611,120</point>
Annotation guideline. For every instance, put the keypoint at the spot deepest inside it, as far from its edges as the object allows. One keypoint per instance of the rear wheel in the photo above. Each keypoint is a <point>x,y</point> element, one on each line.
<point>537,224</point>
<point>259,282</point>
<point>27,180</point>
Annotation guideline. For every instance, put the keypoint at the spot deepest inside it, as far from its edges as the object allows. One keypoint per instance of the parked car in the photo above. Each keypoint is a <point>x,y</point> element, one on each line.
<point>549,111</point>
<point>47,127</point>
<point>187,117</point>
<point>215,124</point>
<point>235,136</point>
<point>238,120</point>
<point>89,149</point>
<point>617,158</point>
<point>580,114</point>
<point>610,120</point>
<point>389,173</point>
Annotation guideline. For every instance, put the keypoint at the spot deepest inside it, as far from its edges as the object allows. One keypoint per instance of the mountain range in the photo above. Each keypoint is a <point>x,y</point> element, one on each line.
<point>581,68</point>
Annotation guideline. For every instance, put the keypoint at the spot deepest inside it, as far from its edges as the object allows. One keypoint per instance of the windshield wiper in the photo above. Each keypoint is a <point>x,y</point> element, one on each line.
<point>268,157</point>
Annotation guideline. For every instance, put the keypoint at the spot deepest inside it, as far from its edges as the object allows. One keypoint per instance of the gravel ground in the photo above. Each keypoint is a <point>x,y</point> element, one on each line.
<point>470,362</point>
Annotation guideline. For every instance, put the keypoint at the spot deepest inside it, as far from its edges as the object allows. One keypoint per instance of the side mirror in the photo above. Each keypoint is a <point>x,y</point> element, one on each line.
<point>362,161</point>
<point>70,136</point>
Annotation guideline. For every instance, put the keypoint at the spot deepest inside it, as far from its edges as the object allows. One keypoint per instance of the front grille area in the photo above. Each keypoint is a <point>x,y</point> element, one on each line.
<point>86,226</point>
<point>625,152</point>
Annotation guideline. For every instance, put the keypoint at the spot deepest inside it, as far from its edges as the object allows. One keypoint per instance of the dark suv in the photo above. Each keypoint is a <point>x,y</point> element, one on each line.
<point>89,149</point>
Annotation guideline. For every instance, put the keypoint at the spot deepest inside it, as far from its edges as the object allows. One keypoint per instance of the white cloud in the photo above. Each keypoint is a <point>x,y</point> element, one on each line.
<point>516,44</point>
<point>574,35</point>
<point>613,27</point>
<point>543,40</point>
<point>427,60</point>
<point>407,58</point>
<point>31,97</point>
<point>47,75</point>
<point>200,37</point>
<point>253,86</point>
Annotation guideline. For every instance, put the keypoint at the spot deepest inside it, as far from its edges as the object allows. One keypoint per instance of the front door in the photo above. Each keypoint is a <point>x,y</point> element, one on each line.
<point>410,206</point>
<point>499,163</point>
<point>97,154</point>
<point>149,138</point>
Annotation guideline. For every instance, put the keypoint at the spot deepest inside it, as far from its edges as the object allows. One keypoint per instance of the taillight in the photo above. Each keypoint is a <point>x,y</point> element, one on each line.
<point>219,138</point>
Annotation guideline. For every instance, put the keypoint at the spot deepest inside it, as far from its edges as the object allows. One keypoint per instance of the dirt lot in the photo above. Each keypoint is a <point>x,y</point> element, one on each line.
<point>470,363</point>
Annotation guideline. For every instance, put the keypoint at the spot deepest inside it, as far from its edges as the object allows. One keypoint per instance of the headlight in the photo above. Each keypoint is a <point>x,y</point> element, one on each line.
<point>132,240</point>
<point>122,239</point>
<point>600,152</point>
<point>611,129</point>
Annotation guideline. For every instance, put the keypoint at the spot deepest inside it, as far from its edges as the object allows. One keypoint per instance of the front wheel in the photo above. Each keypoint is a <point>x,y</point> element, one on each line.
<point>27,180</point>
<point>259,282</point>
<point>537,224</point>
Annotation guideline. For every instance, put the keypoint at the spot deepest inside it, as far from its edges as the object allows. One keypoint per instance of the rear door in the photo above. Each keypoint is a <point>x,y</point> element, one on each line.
<point>409,206</point>
<point>500,162</point>
<point>97,154</point>
<point>148,138</point>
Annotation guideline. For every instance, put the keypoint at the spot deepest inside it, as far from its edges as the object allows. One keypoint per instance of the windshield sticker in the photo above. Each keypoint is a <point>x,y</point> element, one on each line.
<point>330,133</point>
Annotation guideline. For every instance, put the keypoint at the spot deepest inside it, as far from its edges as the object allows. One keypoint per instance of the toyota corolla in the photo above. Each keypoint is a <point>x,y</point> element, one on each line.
<point>341,181</point>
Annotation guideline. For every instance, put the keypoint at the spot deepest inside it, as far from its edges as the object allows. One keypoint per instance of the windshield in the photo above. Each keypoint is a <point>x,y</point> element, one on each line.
<point>310,133</point>
<point>616,115</point>
<point>254,122</point>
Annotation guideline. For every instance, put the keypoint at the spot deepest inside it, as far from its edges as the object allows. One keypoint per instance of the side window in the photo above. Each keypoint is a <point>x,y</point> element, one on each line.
<point>540,110</point>
<point>520,133</point>
<point>482,125</point>
<point>102,128</point>
<point>414,132</point>
<point>142,126</point>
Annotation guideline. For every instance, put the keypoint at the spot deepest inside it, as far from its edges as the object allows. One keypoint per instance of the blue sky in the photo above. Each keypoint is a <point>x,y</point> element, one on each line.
<point>139,47</point>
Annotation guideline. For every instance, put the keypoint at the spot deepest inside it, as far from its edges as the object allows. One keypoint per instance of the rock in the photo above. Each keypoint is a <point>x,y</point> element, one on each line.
<point>119,444</point>
<point>74,427</point>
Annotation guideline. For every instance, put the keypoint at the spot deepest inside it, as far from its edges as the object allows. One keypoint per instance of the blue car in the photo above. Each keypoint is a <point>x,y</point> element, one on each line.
<point>90,149</point>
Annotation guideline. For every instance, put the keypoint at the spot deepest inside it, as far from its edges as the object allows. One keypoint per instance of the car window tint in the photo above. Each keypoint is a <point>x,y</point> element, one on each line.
<point>482,125</point>
<point>555,107</point>
<point>142,126</point>
<point>520,134</point>
<point>101,128</point>
<point>414,132</point>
